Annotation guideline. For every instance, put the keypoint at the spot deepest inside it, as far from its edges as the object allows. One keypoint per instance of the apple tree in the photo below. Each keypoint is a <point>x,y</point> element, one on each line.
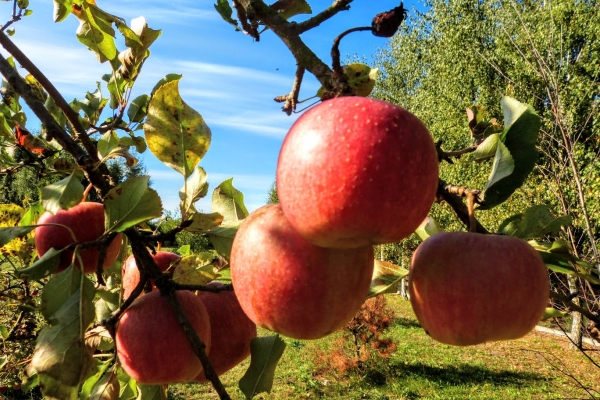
<point>96,342</point>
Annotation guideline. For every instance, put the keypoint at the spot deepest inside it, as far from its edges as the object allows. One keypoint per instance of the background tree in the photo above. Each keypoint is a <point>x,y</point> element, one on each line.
<point>461,54</point>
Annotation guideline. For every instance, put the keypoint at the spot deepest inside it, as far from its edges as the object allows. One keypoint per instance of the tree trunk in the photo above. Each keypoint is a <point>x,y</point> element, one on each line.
<point>577,323</point>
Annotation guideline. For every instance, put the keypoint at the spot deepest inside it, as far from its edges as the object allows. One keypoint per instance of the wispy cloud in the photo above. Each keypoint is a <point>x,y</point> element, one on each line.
<point>228,71</point>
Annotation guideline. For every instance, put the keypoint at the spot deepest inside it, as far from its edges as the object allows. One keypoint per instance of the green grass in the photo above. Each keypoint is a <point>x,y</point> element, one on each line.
<point>535,367</point>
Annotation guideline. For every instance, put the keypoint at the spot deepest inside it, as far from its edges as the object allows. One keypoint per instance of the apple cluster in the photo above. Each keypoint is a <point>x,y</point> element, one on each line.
<point>151,346</point>
<point>153,349</point>
<point>352,172</point>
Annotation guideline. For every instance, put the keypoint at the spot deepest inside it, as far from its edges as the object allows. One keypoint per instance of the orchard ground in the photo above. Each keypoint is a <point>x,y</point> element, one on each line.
<point>538,366</point>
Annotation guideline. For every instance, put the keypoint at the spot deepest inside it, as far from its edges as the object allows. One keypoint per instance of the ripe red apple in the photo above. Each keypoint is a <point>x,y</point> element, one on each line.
<point>130,274</point>
<point>355,171</point>
<point>470,288</point>
<point>152,347</point>
<point>231,330</point>
<point>86,220</point>
<point>288,285</point>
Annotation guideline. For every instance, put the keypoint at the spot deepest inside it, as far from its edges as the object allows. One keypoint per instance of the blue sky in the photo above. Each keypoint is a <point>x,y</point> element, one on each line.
<point>227,78</point>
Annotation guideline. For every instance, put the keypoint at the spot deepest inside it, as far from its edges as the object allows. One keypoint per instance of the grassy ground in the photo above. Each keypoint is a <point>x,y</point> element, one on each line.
<point>538,366</point>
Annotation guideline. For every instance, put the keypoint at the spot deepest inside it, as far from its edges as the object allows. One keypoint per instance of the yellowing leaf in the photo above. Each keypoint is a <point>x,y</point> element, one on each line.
<point>195,270</point>
<point>361,78</point>
<point>175,132</point>
<point>95,30</point>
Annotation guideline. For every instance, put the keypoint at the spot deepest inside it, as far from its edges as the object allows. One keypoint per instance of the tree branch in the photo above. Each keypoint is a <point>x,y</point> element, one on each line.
<point>336,7</point>
<point>61,103</point>
<point>83,159</point>
<point>147,265</point>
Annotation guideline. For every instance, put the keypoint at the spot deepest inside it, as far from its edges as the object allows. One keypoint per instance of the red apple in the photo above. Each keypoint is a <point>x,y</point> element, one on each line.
<point>86,220</point>
<point>470,288</point>
<point>152,347</point>
<point>130,274</point>
<point>231,330</point>
<point>288,285</point>
<point>355,171</point>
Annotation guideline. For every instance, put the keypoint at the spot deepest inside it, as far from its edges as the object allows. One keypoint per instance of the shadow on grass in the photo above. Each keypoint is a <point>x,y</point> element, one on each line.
<point>465,374</point>
<point>405,322</point>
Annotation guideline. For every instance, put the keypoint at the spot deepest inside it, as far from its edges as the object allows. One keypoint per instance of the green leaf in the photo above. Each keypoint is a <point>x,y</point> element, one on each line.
<point>553,313</point>
<point>131,203</point>
<point>153,392</point>
<point>487,148</point>
<point>60,357</point>
<point>8,234</point>
<point>194,188</point>
<point>116,85</point>
<point>137,141</point>
<point>225,11</point>
<point>185,250</point>
<point>222,237</point>
<point>95,380</point>
<point>92,105</point>
<point>107,387</point>
<point>60,288</point>
<point>503,165</point>
<point>229,202</point>
<point>122,151</point>
<point>176,133</point>
<point>63,194</point>
<point>32,214</point>
<point>138,108</point>
<point>62,8</point>
<point>559,258</point>
<point>95,30</point>
<point>297,7</point>
<point>137,39</point>
<point>204,222</point>
<point>107,143</point>
<point>428,227</point>
<point>265,353</point>
<point>522,126</point>
<point>128,386</point>
<point>5,332</point>
<point>195,269</point>
<point>386,277</point>
<point>43,267</point>
<point>535,222</point>
<point>30,379</point>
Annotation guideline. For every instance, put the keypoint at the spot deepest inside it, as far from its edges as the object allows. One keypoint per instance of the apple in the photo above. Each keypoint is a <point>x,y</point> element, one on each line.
<point>130,274</point>
<point>470,288</point>
<point>355,171</point>
<point>231,330</point>
<point>86,220</point>
<point>291,286</point>
<point>152,347</point>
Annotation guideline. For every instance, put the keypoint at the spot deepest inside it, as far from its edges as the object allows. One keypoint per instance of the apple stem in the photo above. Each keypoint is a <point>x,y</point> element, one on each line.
<point>471,208</point>
<point>452,194</point>
<point>111,322</point>
<point>335,50</point>
<point>447,155</point>
<point>86,192</point>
